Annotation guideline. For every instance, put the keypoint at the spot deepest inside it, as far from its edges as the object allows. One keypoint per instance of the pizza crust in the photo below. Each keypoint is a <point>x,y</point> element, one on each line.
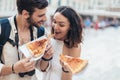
<point>76,64</point>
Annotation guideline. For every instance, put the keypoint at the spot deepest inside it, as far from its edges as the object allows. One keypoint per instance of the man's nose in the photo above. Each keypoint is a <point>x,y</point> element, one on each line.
<point>44,18</point>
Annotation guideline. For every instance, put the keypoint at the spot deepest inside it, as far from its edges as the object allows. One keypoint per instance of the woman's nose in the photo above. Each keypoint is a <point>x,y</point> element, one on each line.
<point>55,26</point>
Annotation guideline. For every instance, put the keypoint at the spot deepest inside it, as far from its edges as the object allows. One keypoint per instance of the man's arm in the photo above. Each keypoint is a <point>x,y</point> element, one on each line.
<point>4,70</point>
<point>21,66</point>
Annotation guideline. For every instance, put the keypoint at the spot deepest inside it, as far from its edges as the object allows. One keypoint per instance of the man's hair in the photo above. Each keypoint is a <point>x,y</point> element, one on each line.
<point>30,5</point>
<point>74,35</point>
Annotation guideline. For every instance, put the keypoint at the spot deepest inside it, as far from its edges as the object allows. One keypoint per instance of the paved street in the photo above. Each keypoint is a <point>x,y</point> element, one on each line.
<point>102,49</point>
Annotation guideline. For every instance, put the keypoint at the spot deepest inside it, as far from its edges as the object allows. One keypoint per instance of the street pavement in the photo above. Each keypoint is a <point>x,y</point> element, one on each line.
<point>102,49</point>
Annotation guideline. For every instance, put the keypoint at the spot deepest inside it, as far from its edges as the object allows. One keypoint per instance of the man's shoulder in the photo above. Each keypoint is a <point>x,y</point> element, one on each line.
<point>5,20</point>
<point>2,21</point>
<point>4,25</point>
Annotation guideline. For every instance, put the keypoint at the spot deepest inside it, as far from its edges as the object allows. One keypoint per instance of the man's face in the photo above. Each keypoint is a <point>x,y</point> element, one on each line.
<point>38,17</point>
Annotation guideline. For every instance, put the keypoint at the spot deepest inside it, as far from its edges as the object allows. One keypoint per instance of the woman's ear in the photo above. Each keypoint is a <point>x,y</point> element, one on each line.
<point>25,14</point>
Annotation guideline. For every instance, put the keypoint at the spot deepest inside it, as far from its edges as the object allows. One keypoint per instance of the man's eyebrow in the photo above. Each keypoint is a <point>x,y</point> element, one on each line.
<point>41,15</point>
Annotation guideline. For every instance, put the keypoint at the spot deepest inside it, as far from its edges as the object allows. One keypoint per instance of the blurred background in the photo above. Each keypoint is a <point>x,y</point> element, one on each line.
<point>95,13</point>
<point>101,29</point>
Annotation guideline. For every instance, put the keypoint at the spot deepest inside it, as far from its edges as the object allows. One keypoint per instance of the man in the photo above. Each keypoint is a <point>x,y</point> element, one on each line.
<point>31,15</point>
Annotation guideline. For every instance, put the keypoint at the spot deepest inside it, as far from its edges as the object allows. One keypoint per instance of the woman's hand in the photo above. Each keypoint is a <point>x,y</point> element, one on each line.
<point>49,51</point>
<point>65,67</point>
<point>66,71</point>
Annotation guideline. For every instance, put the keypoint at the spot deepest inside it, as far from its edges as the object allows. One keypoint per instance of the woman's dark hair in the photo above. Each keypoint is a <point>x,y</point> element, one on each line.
<point>30,5</point>
<point>74,36</point>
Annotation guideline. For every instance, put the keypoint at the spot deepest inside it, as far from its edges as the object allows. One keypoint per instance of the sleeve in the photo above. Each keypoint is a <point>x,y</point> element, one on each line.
<point>38,67</point>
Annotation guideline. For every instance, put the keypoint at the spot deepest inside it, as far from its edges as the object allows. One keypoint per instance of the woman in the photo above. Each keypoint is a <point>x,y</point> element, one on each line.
<point>67,30</point>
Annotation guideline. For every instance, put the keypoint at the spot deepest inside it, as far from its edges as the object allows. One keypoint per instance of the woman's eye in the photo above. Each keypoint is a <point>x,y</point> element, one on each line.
<point>62,25</point>
<point>54,21</point>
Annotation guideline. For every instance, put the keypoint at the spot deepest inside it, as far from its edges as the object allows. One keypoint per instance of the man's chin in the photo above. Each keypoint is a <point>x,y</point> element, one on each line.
<point>37,26</point>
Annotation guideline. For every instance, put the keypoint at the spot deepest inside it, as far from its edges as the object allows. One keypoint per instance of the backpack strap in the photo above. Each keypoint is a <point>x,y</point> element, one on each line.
<point>40,31</point>
<point>5,33</point>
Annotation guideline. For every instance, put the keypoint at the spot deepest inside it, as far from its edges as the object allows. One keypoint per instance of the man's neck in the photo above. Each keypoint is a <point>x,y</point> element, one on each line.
<point>22,24</point>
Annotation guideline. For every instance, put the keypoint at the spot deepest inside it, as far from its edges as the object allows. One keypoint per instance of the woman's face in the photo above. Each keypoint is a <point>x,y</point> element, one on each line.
<point>60,26</point>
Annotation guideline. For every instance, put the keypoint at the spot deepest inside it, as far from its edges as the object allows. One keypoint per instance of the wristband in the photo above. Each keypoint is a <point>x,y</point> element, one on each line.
<point>13,68</point>
<point>64,70</point>
<point>47,59</point>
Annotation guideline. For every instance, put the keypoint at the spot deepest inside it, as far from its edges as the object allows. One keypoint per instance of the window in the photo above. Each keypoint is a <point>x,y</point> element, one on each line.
<point>59,2</point>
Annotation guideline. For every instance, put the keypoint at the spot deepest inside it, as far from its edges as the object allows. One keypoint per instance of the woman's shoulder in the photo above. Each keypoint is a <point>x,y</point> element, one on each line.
<point>74,51</point>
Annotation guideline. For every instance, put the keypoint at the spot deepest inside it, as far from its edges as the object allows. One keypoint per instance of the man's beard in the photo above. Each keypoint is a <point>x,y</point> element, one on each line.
<point>32,22</point>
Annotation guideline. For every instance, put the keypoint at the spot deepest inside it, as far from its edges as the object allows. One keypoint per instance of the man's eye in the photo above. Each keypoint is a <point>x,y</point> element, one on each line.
<point>42,15</point>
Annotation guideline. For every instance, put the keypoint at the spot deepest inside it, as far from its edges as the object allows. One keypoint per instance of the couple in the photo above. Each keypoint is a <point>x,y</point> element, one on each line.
<point>66,25</point>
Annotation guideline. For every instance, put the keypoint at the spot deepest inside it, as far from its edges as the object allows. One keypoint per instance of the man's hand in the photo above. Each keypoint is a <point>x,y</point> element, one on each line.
<point>24,65</point>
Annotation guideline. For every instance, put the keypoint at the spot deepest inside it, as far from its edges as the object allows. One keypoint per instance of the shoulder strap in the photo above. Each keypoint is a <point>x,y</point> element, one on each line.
<point>40,31</point>
<point>5,32</point>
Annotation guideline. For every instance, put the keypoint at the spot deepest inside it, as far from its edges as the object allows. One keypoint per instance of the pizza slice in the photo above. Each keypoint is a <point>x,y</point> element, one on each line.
<point>76,64</point>
<point>37,47</point>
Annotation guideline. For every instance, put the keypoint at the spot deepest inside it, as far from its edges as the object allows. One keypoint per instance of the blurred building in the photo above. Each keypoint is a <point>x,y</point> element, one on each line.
<point>7,8</point>
<point>90,7</point>
<point>84,7</point>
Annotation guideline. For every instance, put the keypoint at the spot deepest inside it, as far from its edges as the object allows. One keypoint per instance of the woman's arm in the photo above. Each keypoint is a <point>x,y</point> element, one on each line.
<point>66,76</point>
<point>43,65</point>
<point>66,72</point>
<point>44,62</point>
<point>73,52</point>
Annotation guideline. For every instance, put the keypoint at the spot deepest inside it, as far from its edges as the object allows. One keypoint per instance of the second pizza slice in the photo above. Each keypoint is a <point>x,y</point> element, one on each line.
<point>76,64</point>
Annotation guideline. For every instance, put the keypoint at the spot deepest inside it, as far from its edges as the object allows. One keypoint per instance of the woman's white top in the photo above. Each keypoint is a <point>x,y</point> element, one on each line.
<point>54,73</point>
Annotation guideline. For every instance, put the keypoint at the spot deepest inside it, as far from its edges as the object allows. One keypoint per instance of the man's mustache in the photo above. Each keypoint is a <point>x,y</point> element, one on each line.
<point>42,21</point>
